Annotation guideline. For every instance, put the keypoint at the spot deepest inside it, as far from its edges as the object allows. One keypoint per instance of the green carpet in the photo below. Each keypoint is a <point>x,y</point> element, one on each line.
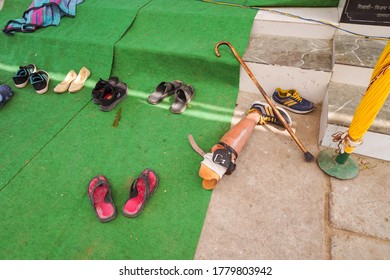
<point>45,209</point>
<point>29,120</point>
<point>284,3</point>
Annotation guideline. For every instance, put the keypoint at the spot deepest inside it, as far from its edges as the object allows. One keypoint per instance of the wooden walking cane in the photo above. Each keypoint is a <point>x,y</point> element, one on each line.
<point>308,156</point>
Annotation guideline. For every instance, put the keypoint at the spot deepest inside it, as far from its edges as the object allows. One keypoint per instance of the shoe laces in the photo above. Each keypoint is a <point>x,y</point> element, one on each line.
<point>263,120</point>
<point>296,97</point>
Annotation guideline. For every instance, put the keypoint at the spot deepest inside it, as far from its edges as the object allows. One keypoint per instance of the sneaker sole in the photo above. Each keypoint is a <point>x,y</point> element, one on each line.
<point>112,106</point>
<point>22,85</point>
<point>42,91</point>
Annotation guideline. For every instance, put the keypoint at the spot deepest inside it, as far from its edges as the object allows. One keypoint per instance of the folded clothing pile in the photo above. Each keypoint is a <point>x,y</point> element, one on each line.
<point>42,13</point>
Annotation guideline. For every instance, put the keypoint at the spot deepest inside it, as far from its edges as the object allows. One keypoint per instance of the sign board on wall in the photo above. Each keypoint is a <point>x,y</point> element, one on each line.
<point>374,12</point>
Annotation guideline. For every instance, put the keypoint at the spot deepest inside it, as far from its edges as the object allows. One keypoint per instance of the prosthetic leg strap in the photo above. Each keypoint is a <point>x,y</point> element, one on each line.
<point>224,157</point>
<point>195,146</point>
<point>217,168</point>
<point>221,161</point>
<point>229,149</point>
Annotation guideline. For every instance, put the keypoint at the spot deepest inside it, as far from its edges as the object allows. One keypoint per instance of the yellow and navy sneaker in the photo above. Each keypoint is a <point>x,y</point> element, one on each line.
<point>292,101</point>
<point>268,115</point>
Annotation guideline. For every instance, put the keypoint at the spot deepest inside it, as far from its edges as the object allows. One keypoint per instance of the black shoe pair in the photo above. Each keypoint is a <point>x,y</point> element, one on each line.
<point>39,79</point>
<point>182,95</point>
<point>109,93</point>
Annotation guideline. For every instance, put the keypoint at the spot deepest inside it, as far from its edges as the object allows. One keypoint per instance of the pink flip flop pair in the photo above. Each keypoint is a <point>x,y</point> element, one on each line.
<point>100,195</point>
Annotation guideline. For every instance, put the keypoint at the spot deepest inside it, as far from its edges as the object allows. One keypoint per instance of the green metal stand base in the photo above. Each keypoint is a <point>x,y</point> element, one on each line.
<point>327,162</point>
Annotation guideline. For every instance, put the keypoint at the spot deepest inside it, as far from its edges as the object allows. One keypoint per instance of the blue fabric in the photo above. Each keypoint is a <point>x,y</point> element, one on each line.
<point>42,13</point>
<point>5,94</point>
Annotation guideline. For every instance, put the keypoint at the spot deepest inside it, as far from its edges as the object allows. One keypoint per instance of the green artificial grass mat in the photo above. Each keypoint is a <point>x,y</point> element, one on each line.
<point>293,3</point>
<point>45,209</point>
<point>181,48</point>
<point>29,121</point>
<point>283,3</point>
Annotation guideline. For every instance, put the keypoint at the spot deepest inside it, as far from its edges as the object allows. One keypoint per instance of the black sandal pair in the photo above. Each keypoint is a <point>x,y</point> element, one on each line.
<point>109,93</point>
<point>182,95</point>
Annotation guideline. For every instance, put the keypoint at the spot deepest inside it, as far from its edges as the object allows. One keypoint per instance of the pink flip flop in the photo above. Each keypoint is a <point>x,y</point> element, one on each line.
<point>141,190</point>
<point>99,193</point>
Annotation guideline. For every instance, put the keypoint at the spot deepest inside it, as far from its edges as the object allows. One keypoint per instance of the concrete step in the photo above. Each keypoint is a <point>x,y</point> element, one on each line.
<point>297,22</point>
<point>325,64</point>
<point>375,145</point>
<point>304,53</point>
<point>357,51</point>
<point>343,99</point>
<point>288,62</point>
<point>355,58</point>
<point>287,51</point>
<point>339,107</point>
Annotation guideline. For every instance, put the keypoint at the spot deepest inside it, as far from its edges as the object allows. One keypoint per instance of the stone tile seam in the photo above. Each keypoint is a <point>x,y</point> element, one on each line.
<point>327,221</point>
<point>360,234</point>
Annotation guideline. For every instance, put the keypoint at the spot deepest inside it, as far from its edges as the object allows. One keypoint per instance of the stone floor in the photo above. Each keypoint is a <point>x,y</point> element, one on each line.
<point>304,53</point>
<point>277,206</point>
<point>357,51</point>
<point>343,100</point>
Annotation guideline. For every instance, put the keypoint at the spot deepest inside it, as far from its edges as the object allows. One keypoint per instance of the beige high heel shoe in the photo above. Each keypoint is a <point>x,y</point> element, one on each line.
<point>64,85</point>
<point>78,83</point>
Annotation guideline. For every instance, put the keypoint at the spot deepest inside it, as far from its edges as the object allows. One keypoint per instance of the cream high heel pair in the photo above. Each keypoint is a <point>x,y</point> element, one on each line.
<point>73,82</point>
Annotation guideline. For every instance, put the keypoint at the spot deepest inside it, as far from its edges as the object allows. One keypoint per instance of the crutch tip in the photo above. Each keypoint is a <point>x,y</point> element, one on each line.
<point>309,157</point>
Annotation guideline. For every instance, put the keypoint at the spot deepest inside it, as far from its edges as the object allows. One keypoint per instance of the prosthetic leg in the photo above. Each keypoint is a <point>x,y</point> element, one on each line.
<point>222,158</point>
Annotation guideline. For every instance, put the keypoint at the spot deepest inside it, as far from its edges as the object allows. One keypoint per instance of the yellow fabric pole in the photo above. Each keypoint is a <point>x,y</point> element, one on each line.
<point>372,101</point>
